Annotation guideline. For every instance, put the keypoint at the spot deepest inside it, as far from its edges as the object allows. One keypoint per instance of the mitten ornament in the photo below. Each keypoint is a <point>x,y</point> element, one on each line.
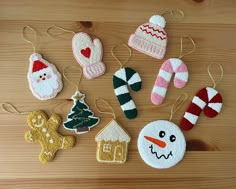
<point>112,141</point>
<point>88,54</point>
<point>161,144</point>
<point>208,99</point>
<point>150,38</point>
<point>172,66</point>
<point>121,79</point>
<point>44,79</point>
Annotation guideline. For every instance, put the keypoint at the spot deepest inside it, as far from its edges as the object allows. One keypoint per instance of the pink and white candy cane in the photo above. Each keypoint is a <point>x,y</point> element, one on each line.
<point>208,100</point>
<point>168,68</point>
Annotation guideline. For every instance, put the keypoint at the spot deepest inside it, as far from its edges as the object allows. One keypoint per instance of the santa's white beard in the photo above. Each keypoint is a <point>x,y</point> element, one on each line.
<point>47,88</point>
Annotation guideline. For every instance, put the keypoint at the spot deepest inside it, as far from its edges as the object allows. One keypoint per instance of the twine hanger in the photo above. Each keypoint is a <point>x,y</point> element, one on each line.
<point>173,14</point>
<point>13,109</point>
<point>104,112</point>
<point>114,56</point>
<point>27,40</point>
<point>71,82</point>
<point>181,54</point>
<point>59,28</point>
<point>177,104</point>
<point>221,75</point>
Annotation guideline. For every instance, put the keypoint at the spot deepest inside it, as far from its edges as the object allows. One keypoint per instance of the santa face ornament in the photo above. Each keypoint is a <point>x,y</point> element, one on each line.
<point>161,144</point>
<point>44,79</point>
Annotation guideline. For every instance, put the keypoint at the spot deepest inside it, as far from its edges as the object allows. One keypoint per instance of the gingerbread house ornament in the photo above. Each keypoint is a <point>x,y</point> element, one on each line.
<point>112,144</point>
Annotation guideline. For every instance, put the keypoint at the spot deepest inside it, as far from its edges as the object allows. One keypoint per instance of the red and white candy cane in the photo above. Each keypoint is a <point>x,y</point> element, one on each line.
<point>168,68</point>
<point>208,100</point>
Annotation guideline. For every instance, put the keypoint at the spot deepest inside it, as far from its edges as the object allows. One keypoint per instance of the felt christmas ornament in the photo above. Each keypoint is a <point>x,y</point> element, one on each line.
<point>88,54</point>
<point>207,99</point>
<point>44,131</point>
<point>171,66</point>
<point>112,142</point>
<point>161,144</point>
<point>80,119</point>
<point>123,78</point>
<point>150,38</point>
<point>44,79</point>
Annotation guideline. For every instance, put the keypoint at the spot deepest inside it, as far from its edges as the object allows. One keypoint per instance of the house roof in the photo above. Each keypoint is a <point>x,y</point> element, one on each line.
<point>113,131</point>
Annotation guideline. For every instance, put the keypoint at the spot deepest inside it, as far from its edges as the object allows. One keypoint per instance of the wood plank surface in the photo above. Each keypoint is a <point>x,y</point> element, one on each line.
<point>210,161</point>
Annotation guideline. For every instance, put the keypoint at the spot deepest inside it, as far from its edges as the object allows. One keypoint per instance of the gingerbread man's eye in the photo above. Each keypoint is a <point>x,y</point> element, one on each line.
<point>162,134</point>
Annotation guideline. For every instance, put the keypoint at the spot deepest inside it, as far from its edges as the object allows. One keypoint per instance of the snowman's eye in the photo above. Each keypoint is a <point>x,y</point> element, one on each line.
<point>44,74</point>
<point>40,76</point>
<point>172,138</point>
<point>162,134</point>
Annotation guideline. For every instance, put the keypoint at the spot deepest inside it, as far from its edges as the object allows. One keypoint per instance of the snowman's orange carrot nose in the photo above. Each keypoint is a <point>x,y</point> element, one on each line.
<point>158,142</point>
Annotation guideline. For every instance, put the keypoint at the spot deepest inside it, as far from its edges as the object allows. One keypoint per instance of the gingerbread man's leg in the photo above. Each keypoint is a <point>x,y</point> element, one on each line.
<point>67,142</point>
<point>47,155</point>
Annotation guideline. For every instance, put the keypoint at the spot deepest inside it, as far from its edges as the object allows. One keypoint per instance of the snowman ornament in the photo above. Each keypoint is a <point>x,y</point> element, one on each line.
<point>161,143</point>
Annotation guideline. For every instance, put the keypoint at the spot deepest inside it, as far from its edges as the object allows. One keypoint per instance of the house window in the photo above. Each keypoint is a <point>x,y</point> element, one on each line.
<point>106,147</point>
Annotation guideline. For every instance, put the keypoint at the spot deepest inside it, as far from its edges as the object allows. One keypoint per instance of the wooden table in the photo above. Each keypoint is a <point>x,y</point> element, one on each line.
<point>210,160</point>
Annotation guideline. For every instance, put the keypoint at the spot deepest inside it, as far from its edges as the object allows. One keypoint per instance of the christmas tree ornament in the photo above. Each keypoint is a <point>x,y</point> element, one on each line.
<point>44,79</point>
<point>112,140</point>
<point>161,144</point>
<point>123,78</point>
<point>172,66</point>
<point>44,131</point>
<point>88,52</point>
<point>80,119</point>
<point>207,99</point>
<point>150,38</point>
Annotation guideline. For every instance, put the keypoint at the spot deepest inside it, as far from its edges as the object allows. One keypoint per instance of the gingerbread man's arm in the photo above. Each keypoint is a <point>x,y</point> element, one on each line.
<point>54,121</point>
<point>32,136</point>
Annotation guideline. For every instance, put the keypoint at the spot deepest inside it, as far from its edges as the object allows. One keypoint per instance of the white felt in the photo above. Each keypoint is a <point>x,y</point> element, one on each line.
<point>159,20</point>
<point>215,106</point>
<point>121,74</point>
<point>175,63</point>
<point>177,148</point>
<point>211,93</point>
<point>159,90</point>
<point>165,75</point>
<point>128,105</point>
<point>199,102</point>
<point>121,90</point>
<point>182,76</point>
<point>113,131</point>
<point>81,41</point>
<point>134,79</point>
<point>191,117</point>
<point>48,88</point>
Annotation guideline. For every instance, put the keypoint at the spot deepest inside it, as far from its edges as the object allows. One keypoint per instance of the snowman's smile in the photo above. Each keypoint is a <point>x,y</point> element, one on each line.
<point>159,157</point>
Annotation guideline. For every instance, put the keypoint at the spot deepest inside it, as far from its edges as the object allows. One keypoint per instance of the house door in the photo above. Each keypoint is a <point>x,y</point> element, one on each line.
<point>118,153</point>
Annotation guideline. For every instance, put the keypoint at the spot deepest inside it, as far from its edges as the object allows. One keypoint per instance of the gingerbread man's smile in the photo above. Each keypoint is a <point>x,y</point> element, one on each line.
<point>38,122</point>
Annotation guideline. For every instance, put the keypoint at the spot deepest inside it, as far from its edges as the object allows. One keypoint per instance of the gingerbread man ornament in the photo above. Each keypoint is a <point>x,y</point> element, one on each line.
<point>43,130</point>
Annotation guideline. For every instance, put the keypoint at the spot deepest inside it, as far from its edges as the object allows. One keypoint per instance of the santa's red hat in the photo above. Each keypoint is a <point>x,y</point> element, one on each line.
<point>38,65</point>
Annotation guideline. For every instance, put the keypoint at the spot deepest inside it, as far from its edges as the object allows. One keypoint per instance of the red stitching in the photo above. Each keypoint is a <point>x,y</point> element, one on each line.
<point>159,31</point>
<point>152,34</point>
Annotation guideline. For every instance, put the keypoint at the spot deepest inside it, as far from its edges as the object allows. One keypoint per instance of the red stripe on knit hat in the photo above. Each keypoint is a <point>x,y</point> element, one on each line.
<point>38,65</point>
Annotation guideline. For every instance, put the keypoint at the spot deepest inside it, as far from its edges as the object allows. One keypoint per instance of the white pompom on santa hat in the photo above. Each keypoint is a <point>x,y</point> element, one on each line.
<point>37,63</point>
<point>158,20</point>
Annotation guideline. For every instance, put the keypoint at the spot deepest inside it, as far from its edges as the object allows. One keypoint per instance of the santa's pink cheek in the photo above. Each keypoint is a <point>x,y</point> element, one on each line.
<point>49,76</point>
<point>37,80</point>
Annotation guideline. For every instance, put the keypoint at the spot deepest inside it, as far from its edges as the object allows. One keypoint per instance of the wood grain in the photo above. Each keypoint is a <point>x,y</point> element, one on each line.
<point>210,161</point>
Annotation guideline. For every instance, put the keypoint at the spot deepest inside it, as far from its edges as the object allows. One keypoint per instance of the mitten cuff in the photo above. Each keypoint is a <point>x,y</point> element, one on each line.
<point>94,70</point>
